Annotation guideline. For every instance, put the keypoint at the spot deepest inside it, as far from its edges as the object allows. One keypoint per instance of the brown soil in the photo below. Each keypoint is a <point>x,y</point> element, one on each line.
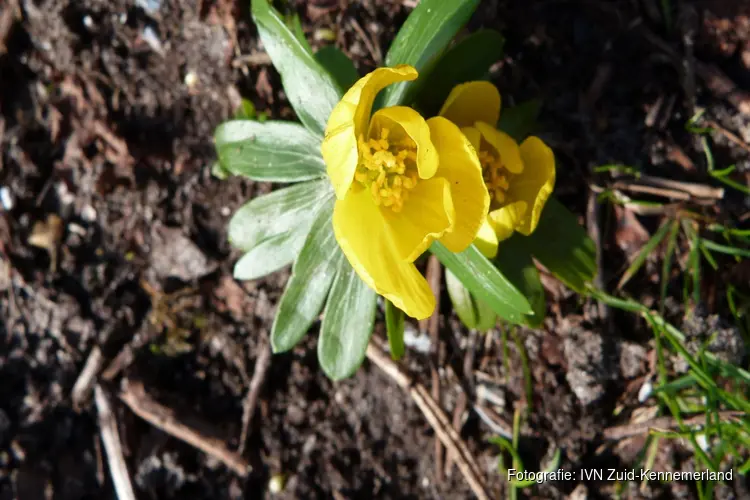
<point>107,112</point>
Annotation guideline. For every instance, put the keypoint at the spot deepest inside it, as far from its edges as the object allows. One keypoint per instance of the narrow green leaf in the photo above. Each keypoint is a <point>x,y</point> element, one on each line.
<point>515,262</point>
<point>273,151</point>
<point>473,313</point>
<point>461,299</point>
<point>422,39</point>
<point>394,322</point>
<point>338,65</point>
<point>649,247</point>
<point>484,281</point>
<point>312,92</point>
<point>279,212</point>
<point>347,325</point>
<point>295,24</point>
<point>563,246</point>
<point>717,247</point>
<point>666,266</point>
<point>468,60</point>
<point>520,121</point>
<point>308,286</point>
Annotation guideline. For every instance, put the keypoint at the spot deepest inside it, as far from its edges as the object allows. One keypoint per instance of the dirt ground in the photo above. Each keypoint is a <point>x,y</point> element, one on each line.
<point>113,250</point>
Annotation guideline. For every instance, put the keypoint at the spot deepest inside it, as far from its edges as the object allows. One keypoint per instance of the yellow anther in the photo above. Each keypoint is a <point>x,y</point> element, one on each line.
<point>496,177</point>
<point>387,169</point>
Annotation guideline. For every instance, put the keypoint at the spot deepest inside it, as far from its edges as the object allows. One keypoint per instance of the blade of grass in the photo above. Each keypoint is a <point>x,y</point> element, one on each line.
<point>667,264</point>
<point>649,247</point>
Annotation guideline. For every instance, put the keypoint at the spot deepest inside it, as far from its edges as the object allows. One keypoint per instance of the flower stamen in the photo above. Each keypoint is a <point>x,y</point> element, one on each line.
<point>388,169</point>
<point>496,177</point>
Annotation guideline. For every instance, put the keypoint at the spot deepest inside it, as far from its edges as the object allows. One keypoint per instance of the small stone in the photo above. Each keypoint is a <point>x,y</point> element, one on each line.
<point>276,484</point>
<point>152,40</point>
<point>88,213</point>
<point>191,79</point>
<point>632,359</point>
<point>645,391</point>
<point>6,199</point>
<point>590,363</point>
<point>175,255</point>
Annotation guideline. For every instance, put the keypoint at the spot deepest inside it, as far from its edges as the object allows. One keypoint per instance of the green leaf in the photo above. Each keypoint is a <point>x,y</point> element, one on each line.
<point>515,262</point>
<point>312,92</point>
<point>717,247</point>
<point>520,121</point>
<point>269,256</point>
<point>273,151</point>
<point>484,281</point>
<point>473,313</point>
<point>563,246</point>
<point>347,325</point>
<point>279,212</point>
<point>218,171</point>
<point>295,24</point>
<point>422,39</point>
<point>308,286</point>
<point>246,110</point>
<point>394,323</point>
<point>338,65</point>
<point>468,60</point>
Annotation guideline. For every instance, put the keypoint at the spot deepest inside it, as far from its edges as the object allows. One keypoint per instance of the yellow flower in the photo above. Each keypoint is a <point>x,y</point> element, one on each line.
<point>401,182</point>
<point>519,179</point>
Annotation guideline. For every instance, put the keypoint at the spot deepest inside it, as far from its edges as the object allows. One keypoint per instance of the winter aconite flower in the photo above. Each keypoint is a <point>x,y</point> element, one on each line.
<point>401,182</point>
<point>519,179</point>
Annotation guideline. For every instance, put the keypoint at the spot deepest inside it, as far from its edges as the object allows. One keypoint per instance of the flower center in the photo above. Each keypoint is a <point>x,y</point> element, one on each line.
<point>388,169</point>
<point>495,175</point>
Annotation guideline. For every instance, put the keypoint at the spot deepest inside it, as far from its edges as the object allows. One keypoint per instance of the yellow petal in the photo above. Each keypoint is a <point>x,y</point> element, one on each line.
<point>507,219</point>
<point>350,118</point>
<point>460,166</point>
<point>426,216</point>
<point>367,242</point>
<point>472,102</point>
<point>474,136</point>
<point>504,145</point>
<point>486,241</point>
<point>400,120</point>
<point>536,183</point>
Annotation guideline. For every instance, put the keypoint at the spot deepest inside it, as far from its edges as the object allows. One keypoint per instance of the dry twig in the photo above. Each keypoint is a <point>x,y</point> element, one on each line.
<point>87,377</point>
<point>437,419</point>
<point>134,395</point>
<point>262,363</point>
<point>112,446</point>
<point>431,325</point>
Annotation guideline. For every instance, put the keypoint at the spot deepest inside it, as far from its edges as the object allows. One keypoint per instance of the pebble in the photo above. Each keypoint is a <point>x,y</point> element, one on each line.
<point>150,37</point>
<point>191,79</point>
<point>276,484</point>
<point>6,199</point>
<point>645,392</point>
<point>88,213</point>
